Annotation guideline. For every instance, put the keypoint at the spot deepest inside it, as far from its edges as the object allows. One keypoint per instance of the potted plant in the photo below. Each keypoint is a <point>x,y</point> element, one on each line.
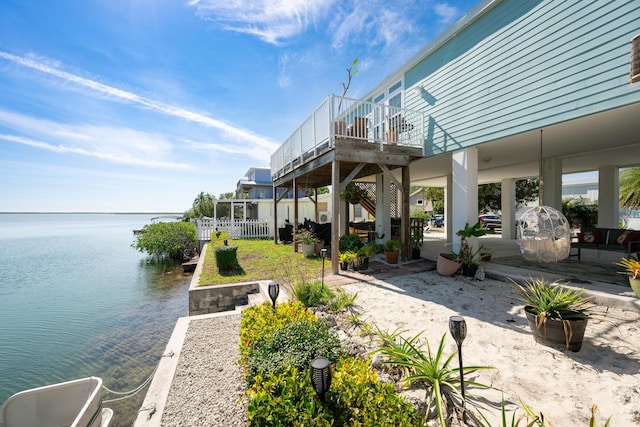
<point>391,135</point>
<point>364,253</point>
<point>391,250</point>
<point>557,315</point>
<point>632,265</point>
<point>307,241</point>
<point>350,242</point>
<point>469,257</point>
<point>348,260</point>
<point>416,243</point>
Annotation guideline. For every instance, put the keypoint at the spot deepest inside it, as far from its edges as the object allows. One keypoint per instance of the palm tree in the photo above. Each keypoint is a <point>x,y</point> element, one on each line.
<point>630,188</point>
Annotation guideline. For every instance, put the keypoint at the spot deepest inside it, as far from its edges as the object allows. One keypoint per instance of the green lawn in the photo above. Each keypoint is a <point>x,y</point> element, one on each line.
<point>263,260</point>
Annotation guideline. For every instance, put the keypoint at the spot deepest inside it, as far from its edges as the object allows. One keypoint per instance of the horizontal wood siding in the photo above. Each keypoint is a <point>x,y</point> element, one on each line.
<point>525,65</point>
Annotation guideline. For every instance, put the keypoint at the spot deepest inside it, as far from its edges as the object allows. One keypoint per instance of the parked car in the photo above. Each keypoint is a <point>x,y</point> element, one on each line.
<point>490,221</point>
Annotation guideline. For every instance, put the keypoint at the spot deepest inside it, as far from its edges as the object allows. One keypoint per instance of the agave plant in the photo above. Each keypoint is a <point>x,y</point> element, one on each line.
<point>632,266</point>
<point>443,387</point>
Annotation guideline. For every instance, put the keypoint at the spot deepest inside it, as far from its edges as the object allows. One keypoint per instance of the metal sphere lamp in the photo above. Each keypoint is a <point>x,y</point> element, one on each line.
<point>321,376</point>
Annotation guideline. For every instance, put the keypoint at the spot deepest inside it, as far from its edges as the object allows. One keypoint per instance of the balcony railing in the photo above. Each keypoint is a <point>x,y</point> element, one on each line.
<point>345,118</point>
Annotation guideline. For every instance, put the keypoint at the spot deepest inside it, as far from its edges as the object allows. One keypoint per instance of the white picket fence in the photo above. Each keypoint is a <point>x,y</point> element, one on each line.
<point>235,228</point>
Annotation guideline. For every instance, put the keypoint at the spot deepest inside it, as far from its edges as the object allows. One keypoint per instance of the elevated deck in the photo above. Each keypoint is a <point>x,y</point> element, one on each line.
<point>352,132</point>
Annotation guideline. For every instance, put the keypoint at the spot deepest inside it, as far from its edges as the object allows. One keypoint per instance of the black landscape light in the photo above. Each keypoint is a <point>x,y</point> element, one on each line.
<point>323,254</point>
<point>274,290</point>
<point>458,329</point>
<point>321,376</point>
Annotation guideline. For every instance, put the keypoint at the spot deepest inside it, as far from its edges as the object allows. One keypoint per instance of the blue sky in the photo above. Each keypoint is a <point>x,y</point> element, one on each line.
<point>139,105</point>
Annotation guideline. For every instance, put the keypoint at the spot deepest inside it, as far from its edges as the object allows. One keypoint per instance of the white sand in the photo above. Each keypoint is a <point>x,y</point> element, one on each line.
<point>562,384</point>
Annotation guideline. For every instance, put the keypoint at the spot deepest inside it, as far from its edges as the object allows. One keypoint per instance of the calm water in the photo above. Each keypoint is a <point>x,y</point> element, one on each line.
<point>76,300</point>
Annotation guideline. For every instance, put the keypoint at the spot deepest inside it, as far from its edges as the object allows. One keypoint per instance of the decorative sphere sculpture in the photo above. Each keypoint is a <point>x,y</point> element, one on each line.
<point>544,235</point>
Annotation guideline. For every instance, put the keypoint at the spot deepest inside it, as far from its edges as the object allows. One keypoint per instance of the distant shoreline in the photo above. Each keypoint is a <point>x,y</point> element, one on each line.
<point>95,213</point>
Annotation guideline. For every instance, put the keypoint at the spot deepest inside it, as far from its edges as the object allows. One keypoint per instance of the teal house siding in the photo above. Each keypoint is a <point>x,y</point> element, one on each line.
<point>524,65</point>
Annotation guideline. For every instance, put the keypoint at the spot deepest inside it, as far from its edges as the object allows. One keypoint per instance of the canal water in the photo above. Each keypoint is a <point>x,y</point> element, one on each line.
<point>77,300</point>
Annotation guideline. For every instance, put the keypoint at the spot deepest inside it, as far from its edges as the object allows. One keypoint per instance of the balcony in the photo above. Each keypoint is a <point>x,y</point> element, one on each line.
<point>355,125</point>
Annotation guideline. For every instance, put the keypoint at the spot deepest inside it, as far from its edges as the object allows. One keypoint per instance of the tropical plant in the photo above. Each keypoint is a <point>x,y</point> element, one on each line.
<point>630,187</point>
<point>467,255</point>
<point>632,265</point>
<point>553,300</point>
<point>443,384</point>
<point>342,301</point>
<point>579,213</point>
<point>367,251</point>
<point>392,245</point>
<point>416,238</point>
<point>175,240</point>
<point>353,194</point>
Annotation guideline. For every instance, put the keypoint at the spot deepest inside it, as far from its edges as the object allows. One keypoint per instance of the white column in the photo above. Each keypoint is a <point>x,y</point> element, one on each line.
<point>608,197</point>
<point>464,168</point>
<point>508,207</point>
<point>552,182</point>
<point>448,208</point>
<point>383,206</point>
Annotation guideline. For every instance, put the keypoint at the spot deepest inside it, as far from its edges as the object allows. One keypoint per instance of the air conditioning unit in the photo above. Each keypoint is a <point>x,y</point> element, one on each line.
<point>324,217</point>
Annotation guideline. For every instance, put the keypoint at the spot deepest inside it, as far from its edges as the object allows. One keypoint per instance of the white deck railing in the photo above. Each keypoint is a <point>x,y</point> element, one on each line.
<point>235,228</point>
<point>339,117</point>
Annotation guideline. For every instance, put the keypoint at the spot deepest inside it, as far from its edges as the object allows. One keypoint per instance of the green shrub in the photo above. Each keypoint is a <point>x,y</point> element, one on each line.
<point>259,322</point>
<point>295,345</point>
<point>227,258</point>
<point>286,399</point>
<point>356,398</point>
<point>176,240</point>
<point>312,294</point>
<point>350,242</point>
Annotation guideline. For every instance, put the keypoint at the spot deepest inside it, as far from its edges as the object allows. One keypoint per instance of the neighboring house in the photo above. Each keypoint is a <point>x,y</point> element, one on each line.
<point>515,89</point>
<point>256,184</point>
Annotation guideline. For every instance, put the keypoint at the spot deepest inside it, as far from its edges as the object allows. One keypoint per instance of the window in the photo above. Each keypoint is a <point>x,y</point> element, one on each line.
<point>635,59</point>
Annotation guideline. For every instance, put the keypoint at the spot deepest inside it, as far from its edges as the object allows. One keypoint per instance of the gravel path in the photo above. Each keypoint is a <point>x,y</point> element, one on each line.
<point>207,389</point>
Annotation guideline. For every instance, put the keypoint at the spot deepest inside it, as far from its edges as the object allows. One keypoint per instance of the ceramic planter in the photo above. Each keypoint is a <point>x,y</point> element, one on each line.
<point>469,270</point>
<point>307,249</point>
<point>446,265</point>
<point>557,333</point>
<point>635,285</point>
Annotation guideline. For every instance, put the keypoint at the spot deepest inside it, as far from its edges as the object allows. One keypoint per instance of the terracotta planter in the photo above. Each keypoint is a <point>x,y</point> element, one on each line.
<point>446,265</point>
<point>392,138</point>
<point>557,333</point>
<point>635,285</point>
<point>392,256</point>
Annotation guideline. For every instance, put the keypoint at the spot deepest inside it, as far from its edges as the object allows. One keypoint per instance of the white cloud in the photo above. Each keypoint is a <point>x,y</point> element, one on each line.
<point>116,145</point>
<point>270,20</point>
<point>446,13</point>
<point>239,134</point>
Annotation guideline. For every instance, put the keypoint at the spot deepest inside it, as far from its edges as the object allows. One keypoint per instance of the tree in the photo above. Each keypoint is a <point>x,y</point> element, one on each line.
<point>630,188</point>
<point>175,240</point>
<point>490,195</point>
<point>227,196</point>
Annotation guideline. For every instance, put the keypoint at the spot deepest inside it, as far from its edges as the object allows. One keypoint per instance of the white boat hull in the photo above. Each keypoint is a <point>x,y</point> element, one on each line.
<point>75,403</point>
